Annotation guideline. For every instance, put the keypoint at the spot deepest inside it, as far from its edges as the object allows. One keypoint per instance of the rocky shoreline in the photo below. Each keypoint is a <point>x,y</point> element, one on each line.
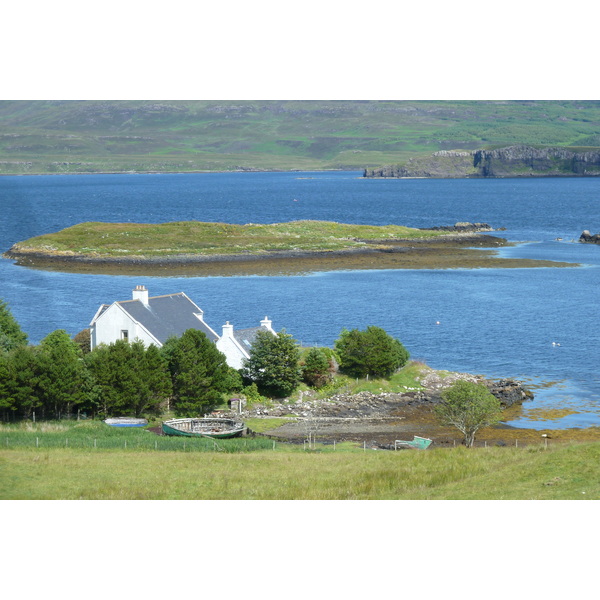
<point>380,418</point>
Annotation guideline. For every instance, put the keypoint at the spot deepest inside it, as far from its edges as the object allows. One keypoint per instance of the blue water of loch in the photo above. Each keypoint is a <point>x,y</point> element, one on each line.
<point>496,322</point>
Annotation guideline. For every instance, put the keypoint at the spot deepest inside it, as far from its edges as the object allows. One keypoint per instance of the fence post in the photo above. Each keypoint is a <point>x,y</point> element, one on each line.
<point>334,444</point>
<point>156,444</point>
<point>125,443</point>
<point>37,442</point>
<point>364,446</point>
<point>94,442</point>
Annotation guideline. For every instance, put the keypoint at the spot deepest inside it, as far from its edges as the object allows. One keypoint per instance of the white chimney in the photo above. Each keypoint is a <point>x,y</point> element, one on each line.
<point>227,330</point>
<point>266,322</point>
<point>141,293</point>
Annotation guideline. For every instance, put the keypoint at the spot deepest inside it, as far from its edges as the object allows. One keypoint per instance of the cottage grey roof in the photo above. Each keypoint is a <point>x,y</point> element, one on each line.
<point>165,316</point>
<point>247,337</point>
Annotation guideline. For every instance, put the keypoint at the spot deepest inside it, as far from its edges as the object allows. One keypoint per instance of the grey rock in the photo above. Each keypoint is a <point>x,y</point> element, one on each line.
<point>587,238</point>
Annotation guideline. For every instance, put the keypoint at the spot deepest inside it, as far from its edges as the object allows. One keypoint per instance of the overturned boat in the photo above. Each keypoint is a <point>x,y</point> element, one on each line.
<point>417,443</point>
<point>126,422</point>
<point>215,428</point>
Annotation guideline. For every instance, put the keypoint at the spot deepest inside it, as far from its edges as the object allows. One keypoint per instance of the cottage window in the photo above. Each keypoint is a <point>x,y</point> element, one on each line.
<point>125,335</point>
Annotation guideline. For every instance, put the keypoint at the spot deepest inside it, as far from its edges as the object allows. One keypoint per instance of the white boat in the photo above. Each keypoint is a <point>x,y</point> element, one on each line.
<point>126,422</point>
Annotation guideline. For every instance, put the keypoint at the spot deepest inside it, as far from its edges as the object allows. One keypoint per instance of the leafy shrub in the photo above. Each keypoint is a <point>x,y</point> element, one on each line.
<point>370,353</point>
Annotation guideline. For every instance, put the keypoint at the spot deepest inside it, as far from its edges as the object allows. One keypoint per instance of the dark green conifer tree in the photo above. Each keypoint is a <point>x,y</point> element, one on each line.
<point>199,373</point>
<point>7,406</point>
<point>62,375</point>
<point>11,335</point>
<point>316,368</point>
<point>23,383</point>
<point>128,379</point>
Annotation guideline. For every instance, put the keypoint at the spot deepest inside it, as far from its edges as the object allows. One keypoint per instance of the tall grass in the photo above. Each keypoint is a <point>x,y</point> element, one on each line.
<point>559,472</point>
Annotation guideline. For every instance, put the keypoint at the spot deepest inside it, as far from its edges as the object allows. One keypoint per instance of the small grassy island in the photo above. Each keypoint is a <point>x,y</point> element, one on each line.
<point>195,247</point>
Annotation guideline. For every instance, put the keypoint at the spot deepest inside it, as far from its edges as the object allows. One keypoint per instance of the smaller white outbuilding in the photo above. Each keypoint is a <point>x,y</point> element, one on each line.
<point>235,345</point>
<point>154,319</point>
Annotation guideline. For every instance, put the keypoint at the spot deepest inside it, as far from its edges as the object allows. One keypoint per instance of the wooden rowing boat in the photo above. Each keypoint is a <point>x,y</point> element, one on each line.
<point>215,428</point>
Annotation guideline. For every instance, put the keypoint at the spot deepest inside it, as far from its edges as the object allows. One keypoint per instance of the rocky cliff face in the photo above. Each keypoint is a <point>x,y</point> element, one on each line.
<point>513,161</point>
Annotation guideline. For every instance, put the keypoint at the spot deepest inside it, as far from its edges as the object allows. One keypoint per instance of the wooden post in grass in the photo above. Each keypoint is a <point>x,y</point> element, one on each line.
<point>94,442</point>
<point>37,442</point>
<point>333,443</point>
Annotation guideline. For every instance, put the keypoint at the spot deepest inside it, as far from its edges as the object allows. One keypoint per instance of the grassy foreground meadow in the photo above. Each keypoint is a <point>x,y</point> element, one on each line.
<point>560,472</point>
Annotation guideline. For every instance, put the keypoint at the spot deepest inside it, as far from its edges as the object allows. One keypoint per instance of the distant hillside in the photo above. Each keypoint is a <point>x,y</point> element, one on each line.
<point>168,136</point>
<point>513,161</point>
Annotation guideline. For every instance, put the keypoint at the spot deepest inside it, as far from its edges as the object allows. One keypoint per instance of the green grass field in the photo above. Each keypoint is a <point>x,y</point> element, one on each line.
<point>567,472</point>
<point>62,466</point>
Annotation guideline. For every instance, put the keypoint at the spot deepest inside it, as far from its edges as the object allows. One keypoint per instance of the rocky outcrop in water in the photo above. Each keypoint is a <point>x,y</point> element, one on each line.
<point>464,227</point>
<point>512,161</point>
<point>587,238</point>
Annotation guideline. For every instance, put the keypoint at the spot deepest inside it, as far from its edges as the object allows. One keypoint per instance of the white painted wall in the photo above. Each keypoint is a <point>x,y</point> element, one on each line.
<point>112,322</point>
<point>230,347</point>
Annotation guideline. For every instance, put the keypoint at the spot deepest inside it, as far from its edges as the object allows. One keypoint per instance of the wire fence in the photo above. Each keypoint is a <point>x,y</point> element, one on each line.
<point>135,443</point>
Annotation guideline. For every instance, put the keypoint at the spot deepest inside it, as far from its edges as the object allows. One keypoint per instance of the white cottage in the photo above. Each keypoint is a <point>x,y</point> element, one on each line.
<point>154,319</point>
<point>235,345</point>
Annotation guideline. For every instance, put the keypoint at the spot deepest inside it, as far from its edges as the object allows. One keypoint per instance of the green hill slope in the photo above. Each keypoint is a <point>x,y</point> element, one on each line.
<point>117,136</point>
